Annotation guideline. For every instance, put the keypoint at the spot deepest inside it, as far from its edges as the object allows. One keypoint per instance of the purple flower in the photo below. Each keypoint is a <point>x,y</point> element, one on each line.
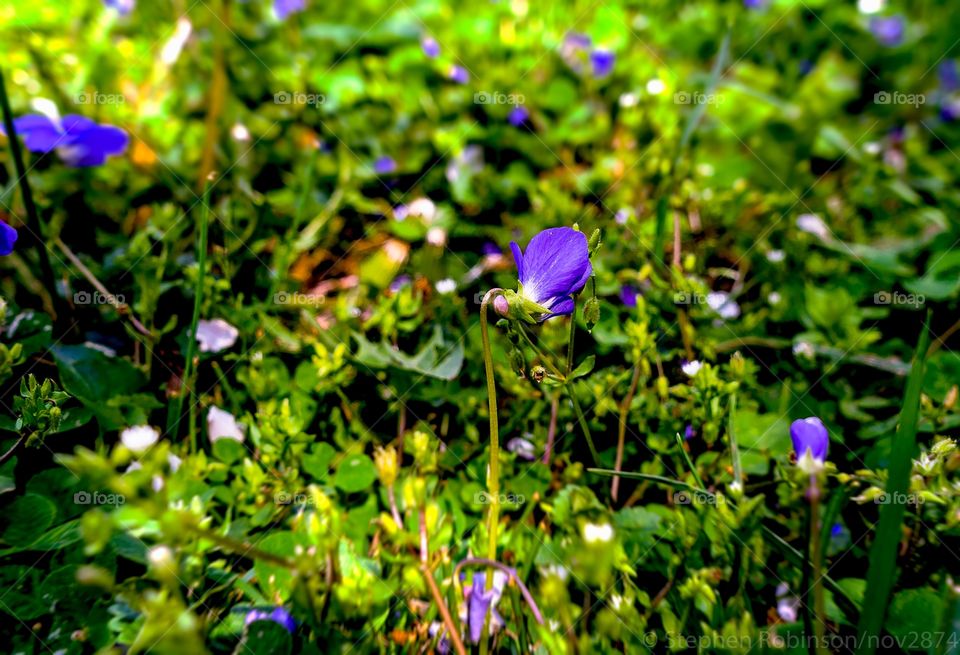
<point>8,237</point>
<point>888,30</point>
<point>384,165</point>
<point>949,76</point>
<point>480,600</point>
<point>78,140</point>
<point>459,74</point>
<point>284,8</point>
<point>628,295</point>
<point>278,615</point>
<point>689,433</point>
<point>602,60</point>
<point>555,266</point>
<point>430,47</point>
<point>399,282</point>
<point>122,7</point>
<point>518,116</point>
<point>755,4</point>
<point>809,435</point>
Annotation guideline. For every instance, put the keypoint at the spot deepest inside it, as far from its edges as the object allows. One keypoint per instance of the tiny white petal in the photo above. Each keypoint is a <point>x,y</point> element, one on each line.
<point>446,286</point>
<point>223,425</point>
<point>691,368</point>
<point>216,335</point>
<point>139,438</point>
<point>813,224</point>
<point>594,533</point>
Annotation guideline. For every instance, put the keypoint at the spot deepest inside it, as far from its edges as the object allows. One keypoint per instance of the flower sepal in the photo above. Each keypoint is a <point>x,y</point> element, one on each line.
<point>523,309</point>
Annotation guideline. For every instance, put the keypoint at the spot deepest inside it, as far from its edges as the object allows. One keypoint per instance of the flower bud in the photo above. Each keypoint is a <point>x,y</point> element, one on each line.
<point>591,312</point>
<point>386,462</point>
<point>501,306</point>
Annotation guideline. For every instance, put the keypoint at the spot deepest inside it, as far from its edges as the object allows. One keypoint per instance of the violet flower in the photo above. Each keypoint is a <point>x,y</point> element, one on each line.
<point>810,442</point>
<point>480,600</point>
<point>384,165</point>
<point>628,295</point>
<point>459,74</point>
<point>278,615</point>
<point>602,61</point>
<point>755,4</point>
<point>430,47</point>
<point>284,8</point>
<point>555,266</point>
<point>78,140</point>
<point>8,237</point>
<point>122,7</point>
<point>518,116</point>
<point>888,30</point>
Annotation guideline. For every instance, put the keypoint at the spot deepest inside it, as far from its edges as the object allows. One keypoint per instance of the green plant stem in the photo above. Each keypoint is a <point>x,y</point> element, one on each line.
<point>33,218</point>
<point>186,387</point>
<point>582,420</point>
<point>883,552</point>
<point>816,559</point>
<point>689,462</point>
<point>452,630</point>
<point>493,473</point>
<point>622,429</point>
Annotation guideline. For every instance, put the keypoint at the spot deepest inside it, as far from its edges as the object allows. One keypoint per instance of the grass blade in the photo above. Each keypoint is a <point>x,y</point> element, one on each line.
<point>883,552</point>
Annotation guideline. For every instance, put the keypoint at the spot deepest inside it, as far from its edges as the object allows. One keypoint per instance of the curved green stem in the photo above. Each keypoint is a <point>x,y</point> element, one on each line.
<point>493,473</point>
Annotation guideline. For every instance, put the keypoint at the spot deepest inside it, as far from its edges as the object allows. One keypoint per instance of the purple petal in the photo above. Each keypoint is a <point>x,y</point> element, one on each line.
<point>284,8</point>
<point>602,62</point>
<point>518,258</point>
<point>430,47</point>
<point>560,307</point>
<point>810,434</point>
<point>556,264</point>
<point>39,132</point>
<point>92,146</point>
<point>8,237</point>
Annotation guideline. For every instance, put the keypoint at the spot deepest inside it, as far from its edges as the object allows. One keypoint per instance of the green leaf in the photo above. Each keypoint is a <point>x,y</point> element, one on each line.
<point>913,611</point>
<point>265,637</point>
<point>437,358</point>
<point>229,450</point>
<point>583,368</point>
<point>317,462</point>
<point>355,473</point>
<point>96,378</point>
<point>29,517</point>
<point>883,552</point>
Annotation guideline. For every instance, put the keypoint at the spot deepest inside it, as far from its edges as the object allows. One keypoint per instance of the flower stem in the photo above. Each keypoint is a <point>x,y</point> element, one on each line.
<point>33,218</point>
<point>816,557</point>
<point>493,474</point>
<point>452,629</point>
<point>552,428</point>
<point>173,419</point>
<point>622,431</point>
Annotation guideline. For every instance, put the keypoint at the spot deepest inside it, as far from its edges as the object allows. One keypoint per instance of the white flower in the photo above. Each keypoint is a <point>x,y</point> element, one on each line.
<point>223,425</point>
<point>594,533</point>
<point>721,303</point>
<point>174,46</point>
<point>139,438</point>
<point>656,86</point>
<point>240,132</point>
<point>803,349</point>
<point>160,557</point>
<point>436,236</point>
<point>446,286</point>
<point>787,605</point>
<point>216,335</point>
<point>691,368</point>
<point>813,224</point>
<point>424,208</point>
<point>774,298</point>
<point>871,6</point>
<point>776,256</point>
